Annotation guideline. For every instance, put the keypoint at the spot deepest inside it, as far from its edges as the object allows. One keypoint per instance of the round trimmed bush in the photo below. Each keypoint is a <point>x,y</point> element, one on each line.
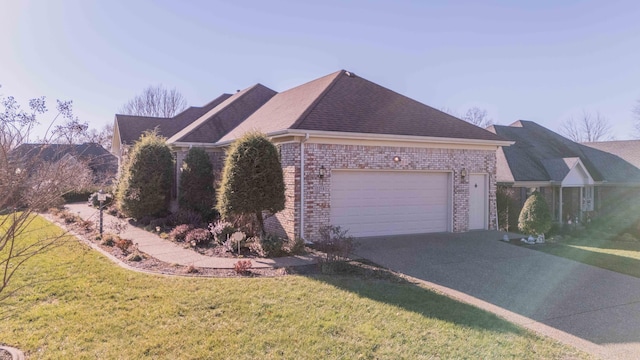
<point>535,217</point>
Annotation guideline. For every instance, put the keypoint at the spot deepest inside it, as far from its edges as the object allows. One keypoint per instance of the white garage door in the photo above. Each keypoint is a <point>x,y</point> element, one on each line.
<point>374,203</point>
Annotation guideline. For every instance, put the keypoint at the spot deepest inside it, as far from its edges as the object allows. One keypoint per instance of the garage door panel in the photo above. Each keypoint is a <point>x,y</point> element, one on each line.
<point>370,203</point>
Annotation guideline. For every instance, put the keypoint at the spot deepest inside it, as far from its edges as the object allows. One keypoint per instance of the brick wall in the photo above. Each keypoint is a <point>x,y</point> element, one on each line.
<point>317,191</point>
<point>331,156</point>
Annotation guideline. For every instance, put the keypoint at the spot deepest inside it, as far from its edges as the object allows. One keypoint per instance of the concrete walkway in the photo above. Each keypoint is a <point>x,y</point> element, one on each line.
<point>593,309</point>
<point>173,253</point>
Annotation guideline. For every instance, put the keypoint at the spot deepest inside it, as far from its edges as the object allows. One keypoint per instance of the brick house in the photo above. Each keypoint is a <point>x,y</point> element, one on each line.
<point>357,155</point>
<point>576,179</point>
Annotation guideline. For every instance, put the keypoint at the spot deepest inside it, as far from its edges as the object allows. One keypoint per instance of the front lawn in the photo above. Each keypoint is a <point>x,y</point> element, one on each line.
<point>597,250</point>
<point>95,309</point>
<point>611,241</point>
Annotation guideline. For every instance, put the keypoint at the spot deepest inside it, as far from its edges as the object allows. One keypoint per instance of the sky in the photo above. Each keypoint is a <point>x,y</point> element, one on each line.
<point>544,61</point>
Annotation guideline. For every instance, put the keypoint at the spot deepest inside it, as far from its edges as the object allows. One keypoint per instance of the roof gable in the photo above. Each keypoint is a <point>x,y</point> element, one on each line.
<point>344,102</point>
<point>224,117</point>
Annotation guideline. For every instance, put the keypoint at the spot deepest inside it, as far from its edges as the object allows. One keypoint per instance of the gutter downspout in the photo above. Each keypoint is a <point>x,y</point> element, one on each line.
<point>306,137</point>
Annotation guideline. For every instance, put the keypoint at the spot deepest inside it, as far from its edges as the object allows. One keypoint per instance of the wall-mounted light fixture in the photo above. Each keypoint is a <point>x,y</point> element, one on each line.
<point>463,173</point>
<point>321,172</point>
<point>396,159</point>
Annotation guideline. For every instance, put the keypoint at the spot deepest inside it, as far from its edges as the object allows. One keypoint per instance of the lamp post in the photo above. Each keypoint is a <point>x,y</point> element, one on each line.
<point>101,198</point>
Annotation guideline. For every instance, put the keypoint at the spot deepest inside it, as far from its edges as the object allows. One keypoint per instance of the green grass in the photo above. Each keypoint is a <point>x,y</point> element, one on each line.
<point>611,242</point>
<point>84,306</point>
<point>598,250</point>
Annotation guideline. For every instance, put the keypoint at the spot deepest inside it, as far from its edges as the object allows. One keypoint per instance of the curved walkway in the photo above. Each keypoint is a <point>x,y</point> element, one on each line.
<point>170,252</point>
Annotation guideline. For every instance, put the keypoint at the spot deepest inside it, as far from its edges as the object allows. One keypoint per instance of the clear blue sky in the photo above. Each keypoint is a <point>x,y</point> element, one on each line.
<point>536,60</point>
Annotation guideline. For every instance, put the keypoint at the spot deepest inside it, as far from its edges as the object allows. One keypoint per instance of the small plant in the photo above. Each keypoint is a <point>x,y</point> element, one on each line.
<point>179,234</point>
<point>296,247</point>
<point>242,267</point>
<point>191,270</point>
<point>86,225</point>
<point>273,246</point>
<point>221,231</point>
<point>109,239</point>
<point>335,243</point>
<point>198,237</point>
<point>123,244</point>
<point>134,257</point>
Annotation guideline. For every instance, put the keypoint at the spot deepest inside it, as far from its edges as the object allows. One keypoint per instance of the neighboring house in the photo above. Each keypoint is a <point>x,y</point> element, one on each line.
<point>103,164</point>
<point>628,150</point>
<point>355,155</point>
<point>574,178</point>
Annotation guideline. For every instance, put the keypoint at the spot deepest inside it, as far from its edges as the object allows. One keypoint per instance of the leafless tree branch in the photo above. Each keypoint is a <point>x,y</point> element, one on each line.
<point>28,183</point>
<point>587,128</point>
<point>155,101</point>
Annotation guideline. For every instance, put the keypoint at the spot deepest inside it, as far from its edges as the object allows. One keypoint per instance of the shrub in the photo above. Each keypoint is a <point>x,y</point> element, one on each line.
<point>335,243</point>
<point>242,267</point>
<point>296,247</point>
<point>198,237</point>
<point>196,183</point>
<point>535,217</point>
<point>179,234</point>
<point>269,246</point>
<point>161,223</point>
<point>76,196</point>
<point>221,231</point>
<point>134,257</point>
<point>184,216</point>
<point>109,239</point>
<point>123,244</point>
<point>252,180</point>
<point>273,246</point>
<point>145,184</point>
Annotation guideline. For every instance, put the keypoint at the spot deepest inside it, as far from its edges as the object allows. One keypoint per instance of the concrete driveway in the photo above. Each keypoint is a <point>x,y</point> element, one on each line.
<point>588,303</point>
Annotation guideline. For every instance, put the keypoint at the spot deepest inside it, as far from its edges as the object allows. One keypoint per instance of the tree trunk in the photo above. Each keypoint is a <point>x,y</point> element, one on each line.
<point>261,223</point>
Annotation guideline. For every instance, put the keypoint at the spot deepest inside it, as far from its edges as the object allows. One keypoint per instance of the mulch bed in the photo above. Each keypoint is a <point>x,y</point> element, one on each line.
<point>151,264</point>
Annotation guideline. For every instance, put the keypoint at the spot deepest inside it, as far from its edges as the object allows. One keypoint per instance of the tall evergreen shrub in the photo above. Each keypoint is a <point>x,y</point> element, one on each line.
<point>252,180</point>
<point>196,183</point>
<point>144,188</point>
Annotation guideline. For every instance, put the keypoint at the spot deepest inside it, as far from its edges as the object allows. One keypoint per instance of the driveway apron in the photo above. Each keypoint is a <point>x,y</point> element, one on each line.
<point>593,304</point>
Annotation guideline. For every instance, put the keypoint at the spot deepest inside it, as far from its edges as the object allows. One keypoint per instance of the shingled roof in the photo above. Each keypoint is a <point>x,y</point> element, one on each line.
<point>628,150</point>
<point>94,155</point>
<point>218,121</point>
<point>344,102</point>
<point>130,127</point>
<point>540,154</point>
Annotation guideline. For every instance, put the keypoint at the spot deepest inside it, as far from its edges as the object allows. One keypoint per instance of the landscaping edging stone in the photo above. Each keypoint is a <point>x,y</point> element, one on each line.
<point>15,353</point>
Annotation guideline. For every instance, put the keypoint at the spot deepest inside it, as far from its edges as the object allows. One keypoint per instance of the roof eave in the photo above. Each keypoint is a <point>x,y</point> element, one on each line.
<point>407,138</point>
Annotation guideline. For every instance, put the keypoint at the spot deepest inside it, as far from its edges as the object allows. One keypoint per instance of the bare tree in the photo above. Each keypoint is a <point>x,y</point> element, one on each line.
<point>477,117</point>
<point>155,101</point>
<point>28,183</point>
<point>474,115</point>
<point>103,136</point>
<point>587,128</point>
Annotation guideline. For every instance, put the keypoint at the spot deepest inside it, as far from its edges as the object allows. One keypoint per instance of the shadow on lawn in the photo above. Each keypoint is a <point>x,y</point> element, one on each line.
<point>621,264</point>
<point>383,286</point>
